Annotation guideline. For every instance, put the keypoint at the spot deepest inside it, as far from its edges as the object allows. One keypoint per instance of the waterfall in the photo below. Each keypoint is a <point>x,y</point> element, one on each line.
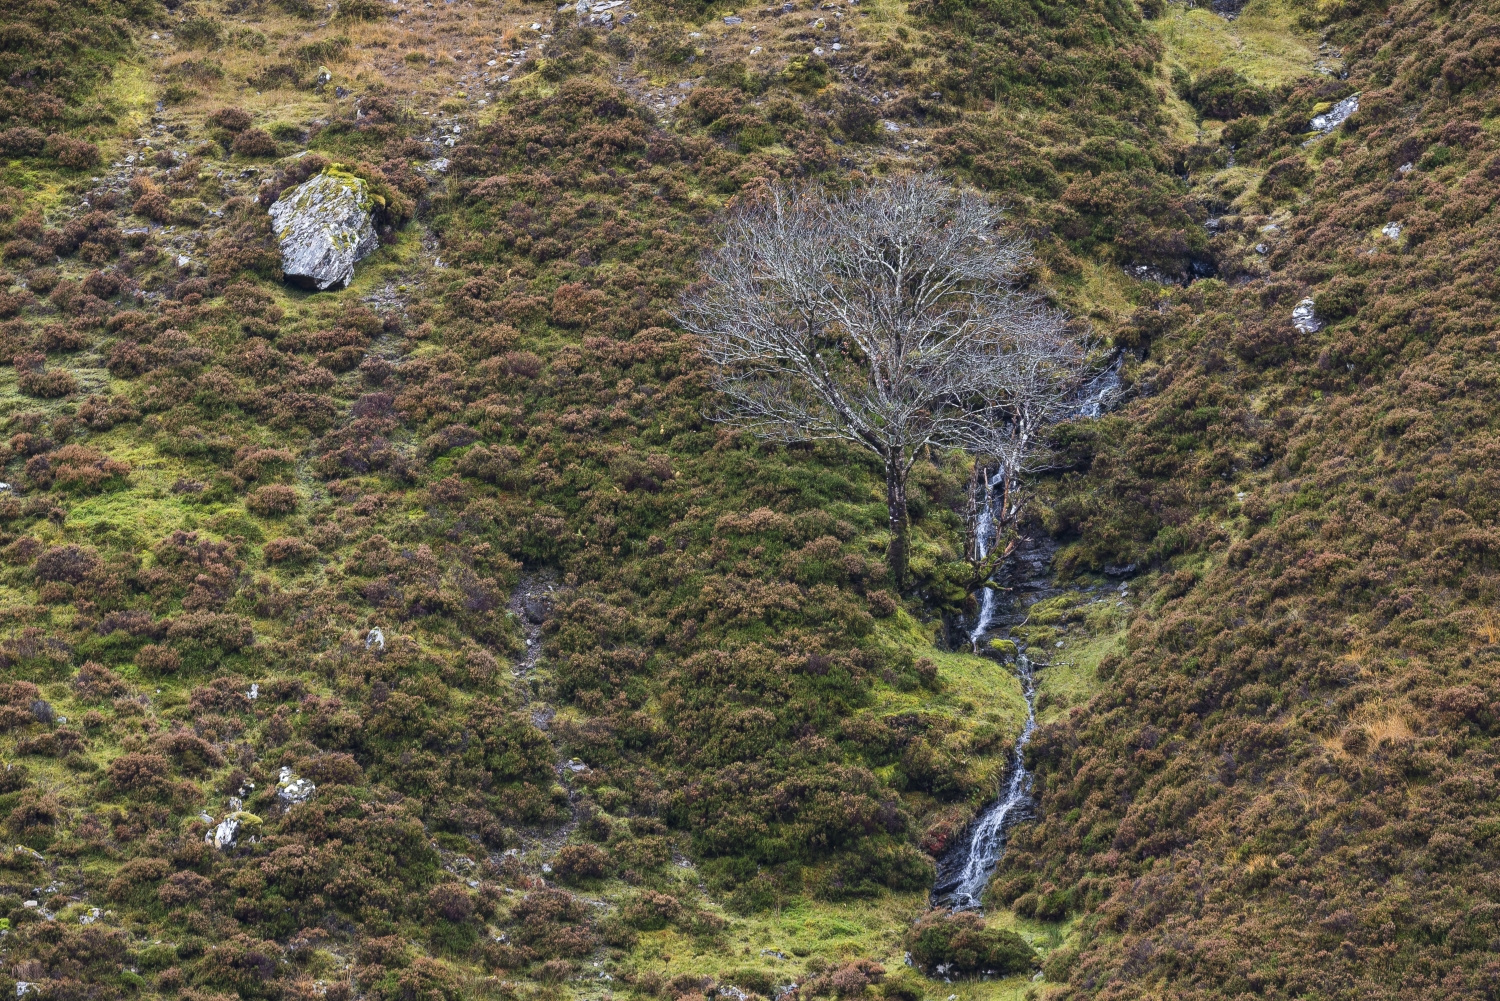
<point>965,870</point>
<point>983,529</point>
<point>1100,392</point>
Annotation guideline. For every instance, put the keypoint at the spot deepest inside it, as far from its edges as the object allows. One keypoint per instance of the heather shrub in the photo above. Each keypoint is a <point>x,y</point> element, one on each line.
<point>35,379</point>
<point>68,564</point>
<point>580,863</point>
<point>155,659</point>
<point>273,500</point>
<point>22,140</point>
<point>1225,94</point>
<point>651,911</point>
<point>139,775</point>
<point>231,119</point>
<point>942,942</point>
<point>254,144</point>
<point>74,154</point>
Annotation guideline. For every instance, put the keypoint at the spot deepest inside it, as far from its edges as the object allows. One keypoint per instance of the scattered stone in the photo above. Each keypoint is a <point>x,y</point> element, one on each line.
<point>1392,230</point>
<point>375,640</point>
<point>536,610</point>
<point>1261,248</point>
<point>222,837</point>
<point>291,790</point>
<point>1406,168</point>
<point>890,126</point>
<point>254,692</point>
<point>1305,319</point>
<point>324,226</point>
<point>731,19</point>
<point>1335,116</point>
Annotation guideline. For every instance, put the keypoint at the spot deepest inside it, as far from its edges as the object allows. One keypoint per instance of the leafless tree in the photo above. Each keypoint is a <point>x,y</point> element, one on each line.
<point>893,317</point>
<point>1041,380</point>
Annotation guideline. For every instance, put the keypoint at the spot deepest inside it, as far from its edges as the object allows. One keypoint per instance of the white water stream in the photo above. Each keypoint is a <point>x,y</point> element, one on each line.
<point>983,530</point>
<point>965,870</point>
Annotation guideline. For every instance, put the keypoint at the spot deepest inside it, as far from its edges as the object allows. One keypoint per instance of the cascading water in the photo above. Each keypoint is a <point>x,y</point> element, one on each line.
<point>1100,392</point>
<point>965,870</point>
<point>982,530</point>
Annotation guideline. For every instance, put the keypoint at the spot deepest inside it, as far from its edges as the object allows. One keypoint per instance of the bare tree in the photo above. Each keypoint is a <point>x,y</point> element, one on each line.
<point>1041,380</point>
<point>892,317</point>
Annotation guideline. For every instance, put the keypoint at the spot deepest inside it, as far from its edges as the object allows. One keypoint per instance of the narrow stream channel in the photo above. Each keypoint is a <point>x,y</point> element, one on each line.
<point>964,870</point>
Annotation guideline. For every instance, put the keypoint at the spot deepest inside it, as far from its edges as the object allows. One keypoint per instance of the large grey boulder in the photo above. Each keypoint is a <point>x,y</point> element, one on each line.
<point>324,225</point>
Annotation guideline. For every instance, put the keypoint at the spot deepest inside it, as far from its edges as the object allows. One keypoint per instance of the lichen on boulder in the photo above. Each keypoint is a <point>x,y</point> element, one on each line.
<point>324,226</point>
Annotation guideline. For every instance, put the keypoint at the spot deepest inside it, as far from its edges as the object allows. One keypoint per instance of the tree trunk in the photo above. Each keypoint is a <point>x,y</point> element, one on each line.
<point>895,504</point>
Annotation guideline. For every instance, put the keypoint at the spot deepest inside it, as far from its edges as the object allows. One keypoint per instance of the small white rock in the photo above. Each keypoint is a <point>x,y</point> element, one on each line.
<point>1305,318</point>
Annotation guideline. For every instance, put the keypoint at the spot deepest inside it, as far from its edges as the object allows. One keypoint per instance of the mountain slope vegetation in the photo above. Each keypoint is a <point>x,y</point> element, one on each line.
<point>426,639</point>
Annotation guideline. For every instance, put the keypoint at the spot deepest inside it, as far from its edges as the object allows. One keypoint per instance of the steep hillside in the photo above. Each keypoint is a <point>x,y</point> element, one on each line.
<point>1286,786</point>
<point>426,639</point>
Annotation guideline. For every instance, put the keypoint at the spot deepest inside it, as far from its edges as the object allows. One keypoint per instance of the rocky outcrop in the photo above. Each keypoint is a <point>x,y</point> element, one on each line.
<point>324,226</point>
